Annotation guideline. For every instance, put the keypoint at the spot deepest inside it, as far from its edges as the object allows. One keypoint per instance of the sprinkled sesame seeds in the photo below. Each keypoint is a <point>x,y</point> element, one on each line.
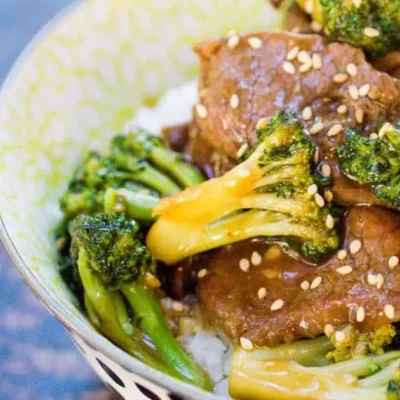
<point>233,41</point>
<point>312,189</point>
<point>372,279</point>
<point>355,246</point>
<point>256,258</point>
<point>340,78</point>
<point>292,53</point>
<point>316,282</point>
<point>359,116</point>
<point>380,281</point>
<point>360,315</point>
<point>389,311</point>
<point>371,32</point>
<point>202,273</point>
<point>353,91</point>
<point>373,136</point>
<point>316,156</point>
<point>254,42</point>
<point>177,306</point>
<point>364,90</point>
<point>201,111</point>
<point>316,26</point>
<point>316,61</point>
<point>276,305</point>
<point>328,195</point>
<point>246,344</point>
<point>307,113</point>
<point>342,254</point>
<point>305,67</point>
<point>305,285</point>
<point>335,130</point>
<point>326,169</point>
<point>357,3</point>
<point>344,270</point>
<point>339,336</point>
<point>242,150</point>
<point>309,6</point>
<point>351,69</point>
<point>244,264</point>
<point>319,200</point>
<point>316,128</point>
<point>289,67</point>
<point>262,292</point>
<point>262,123</point>
<point>329,330</point>
<point>387,127</point>
<point>393,262</point>
<point>304,57</point>
<point>234,101</point>
<point>330,222</point>
<point>342,109</point>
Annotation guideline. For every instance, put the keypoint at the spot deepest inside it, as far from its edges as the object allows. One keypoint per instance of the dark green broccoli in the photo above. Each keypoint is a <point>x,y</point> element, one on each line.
<point>374,161</point>
<point>271,193</point>
<point>118,278</point>
<point>145,155</point>
<point>373,25</point>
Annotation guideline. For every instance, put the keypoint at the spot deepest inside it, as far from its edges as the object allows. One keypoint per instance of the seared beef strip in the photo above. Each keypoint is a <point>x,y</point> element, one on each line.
<point>265,83</point>
<point>229,296</point>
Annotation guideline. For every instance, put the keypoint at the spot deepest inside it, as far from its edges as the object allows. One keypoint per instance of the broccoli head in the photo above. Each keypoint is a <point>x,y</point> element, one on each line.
<point>272,193</point>
<point>373,25</point>
<point>374,161</point>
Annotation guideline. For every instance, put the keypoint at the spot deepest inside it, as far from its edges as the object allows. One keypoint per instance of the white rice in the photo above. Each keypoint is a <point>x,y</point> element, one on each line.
<point>176,107</point>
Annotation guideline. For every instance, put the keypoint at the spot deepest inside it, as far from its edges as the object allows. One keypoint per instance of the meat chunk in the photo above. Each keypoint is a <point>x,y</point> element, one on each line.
<point>254,79</point>
<point>232,300</point>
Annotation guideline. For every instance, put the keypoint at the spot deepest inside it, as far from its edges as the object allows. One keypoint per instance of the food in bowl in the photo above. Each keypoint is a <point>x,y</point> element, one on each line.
<point>258,244</point>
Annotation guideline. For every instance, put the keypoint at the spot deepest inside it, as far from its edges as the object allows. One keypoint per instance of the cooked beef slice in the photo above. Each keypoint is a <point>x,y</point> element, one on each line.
<point>264,86</point>
<point>296,20</point>
<point>176,137</point>
<point>229,296</point>
<point>389,63</point>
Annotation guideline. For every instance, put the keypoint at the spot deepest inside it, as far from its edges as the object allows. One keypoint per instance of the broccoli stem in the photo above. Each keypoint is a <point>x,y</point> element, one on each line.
<point>137,205</point>
<point>151,320</point>
<point>186,174</point>
<point>382,377</point>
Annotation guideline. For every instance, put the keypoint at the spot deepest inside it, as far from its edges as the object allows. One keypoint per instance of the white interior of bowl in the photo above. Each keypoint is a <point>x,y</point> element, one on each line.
<point>74,87</point>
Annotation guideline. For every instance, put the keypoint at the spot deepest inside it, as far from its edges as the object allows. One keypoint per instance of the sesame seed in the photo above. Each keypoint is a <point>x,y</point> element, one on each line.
<point>328,196</point>
<point>373,136</point>
<point>305,67</point>
<point>342,109</point>
<point>201,111</point>
<point>373,94</point>
<point>244,264</point>
<point>289,67</point>
<point>329,330</point>
<point>360,315</point>
<point>393,262</point>
<point>202,273</point>
<point>340,78</point>
<point>357,3</point>
<point>316,282</point>
<point>316,26</point>
<point>372,279</point>
<point>242,150</point>
<point>246,344</point>
<point>262,123</point>
<point>345,270</point>
<point>304,57</point>
<point>316,61</point>
<point>359,116</point>
<point>254,42</point>
<point>355,246</point>
<point>351,69</point>
<point>234,101</point>
<point>340,336</point>
<point>330,222</point>
<point>353,91</point>
<point>371,32</point>
<point>276,305</point>
<point>262,292</point>
<point>387,127</point>
<point>292,53</point>
<point>319,200</point>
<point>342,254</point>
<point>316,128</point>
<point>364,90</point>
<point>233,41</point>
<point>316,156</point>
<point>380,281</point>
<point>305,285</point>
<point>309,6</point>
<point>335,130</point>
<point>326,169</point>
<point>177,306</point>
<point>312,189</point>
<point>389,311</point>
<point>307,113</point>
<point>256,258</point>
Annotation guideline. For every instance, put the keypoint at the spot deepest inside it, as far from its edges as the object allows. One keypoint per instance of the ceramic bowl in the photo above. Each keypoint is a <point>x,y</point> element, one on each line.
<point>74,86</point>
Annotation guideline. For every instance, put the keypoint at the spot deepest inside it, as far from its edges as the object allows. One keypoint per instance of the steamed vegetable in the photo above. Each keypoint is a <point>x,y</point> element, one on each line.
<point>119,282</point>
<point>374,161</point>
<point>272,193</point>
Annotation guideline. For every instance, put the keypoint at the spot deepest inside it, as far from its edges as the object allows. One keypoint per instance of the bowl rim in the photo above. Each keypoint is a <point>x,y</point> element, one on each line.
<point>93,338</point>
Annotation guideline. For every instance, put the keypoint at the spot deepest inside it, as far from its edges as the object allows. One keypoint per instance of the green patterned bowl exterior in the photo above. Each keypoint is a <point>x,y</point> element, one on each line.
<point>75,85</point>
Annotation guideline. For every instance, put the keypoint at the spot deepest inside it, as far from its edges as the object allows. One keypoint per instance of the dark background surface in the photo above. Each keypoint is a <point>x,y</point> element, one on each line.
<point>37,358</point>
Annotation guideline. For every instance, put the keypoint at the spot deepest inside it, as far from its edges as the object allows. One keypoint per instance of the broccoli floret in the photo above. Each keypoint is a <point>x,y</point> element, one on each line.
<point>350,342</point>
<point>374,161</point>
<point>271,193</point>
<point>145,155</point>
<point>393,389</point>
<point>350,22</point>
<point>118,278</point>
